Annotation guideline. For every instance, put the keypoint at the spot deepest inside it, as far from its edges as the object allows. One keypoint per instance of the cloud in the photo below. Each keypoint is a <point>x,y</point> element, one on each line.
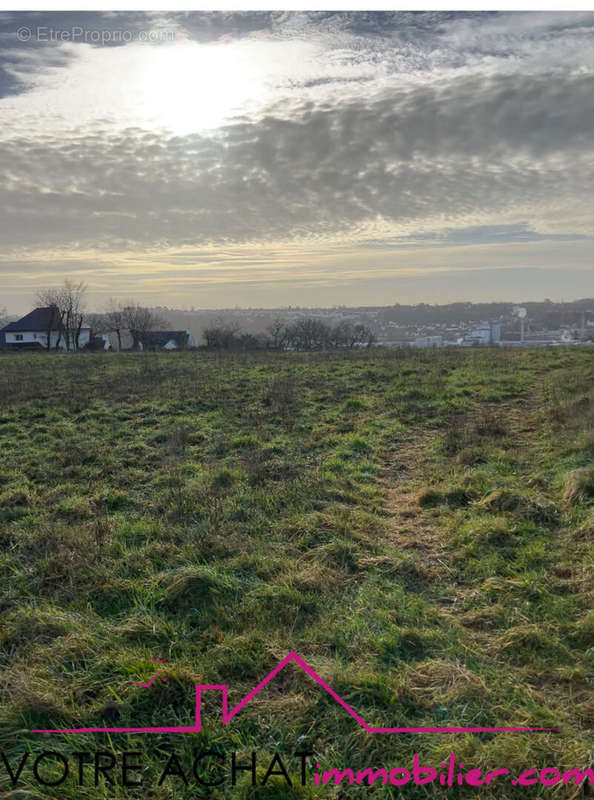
<point>453,153</point>
<point>375,130</point>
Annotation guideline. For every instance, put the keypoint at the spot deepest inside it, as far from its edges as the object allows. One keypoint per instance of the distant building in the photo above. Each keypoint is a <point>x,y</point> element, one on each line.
<point>33,330</point>
<point>495,332</point>
<point>163,340</point>
<point>429,341</point>
<point>485,334</point>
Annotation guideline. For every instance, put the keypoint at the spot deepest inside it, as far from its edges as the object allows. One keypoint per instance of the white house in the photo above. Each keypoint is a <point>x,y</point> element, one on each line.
<point>33,329</point>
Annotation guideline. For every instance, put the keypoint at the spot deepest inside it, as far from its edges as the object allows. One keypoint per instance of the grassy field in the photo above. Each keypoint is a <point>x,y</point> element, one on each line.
<point>417,525</point>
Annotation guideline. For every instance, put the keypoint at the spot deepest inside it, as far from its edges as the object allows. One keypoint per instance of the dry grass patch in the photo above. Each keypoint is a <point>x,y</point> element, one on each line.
<point>579,486</point>
<point>585,531</point>
<point>532,644</point>
<point>484,619</point>
<point>505,500</point>
<point>444,681</point>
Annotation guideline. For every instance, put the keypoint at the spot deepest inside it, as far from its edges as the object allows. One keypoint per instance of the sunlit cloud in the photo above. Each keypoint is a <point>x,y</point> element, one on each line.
<point>220,159</point>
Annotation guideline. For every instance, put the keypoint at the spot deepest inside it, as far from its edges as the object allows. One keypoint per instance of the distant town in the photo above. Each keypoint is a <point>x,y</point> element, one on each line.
<point>62,323</point>
<point>464,324</point>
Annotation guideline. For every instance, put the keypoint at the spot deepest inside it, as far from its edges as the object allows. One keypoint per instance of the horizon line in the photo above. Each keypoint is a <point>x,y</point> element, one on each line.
<point>371,306</point>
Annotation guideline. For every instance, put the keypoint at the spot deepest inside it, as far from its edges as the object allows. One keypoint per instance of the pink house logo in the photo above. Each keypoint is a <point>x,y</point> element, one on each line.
<point>229,714</point>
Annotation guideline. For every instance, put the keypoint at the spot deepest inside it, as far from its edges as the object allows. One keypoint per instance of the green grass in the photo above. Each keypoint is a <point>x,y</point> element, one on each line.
<point>418,525</point>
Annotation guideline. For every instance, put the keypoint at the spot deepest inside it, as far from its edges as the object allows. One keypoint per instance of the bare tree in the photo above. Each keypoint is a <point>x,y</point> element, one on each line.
<point>75,312</point>
<point>99,325</point>
<point>347,334</point>
<point>309,334</point>
<point>68,304</point>
<point>221,337</point>
<point>278,334</point>
<point>116,319</point>
<point>54,321</point>
<point>364,336</point>
<point>140,321</point>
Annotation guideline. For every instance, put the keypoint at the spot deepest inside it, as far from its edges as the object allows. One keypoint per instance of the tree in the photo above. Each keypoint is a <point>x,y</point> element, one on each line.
<point>365,335</point>
<point>74,295</point>
<point>347,334</point>
<point>99,325</point>
<point>115,317</point>
<point>220,337</point>
<point>308,334</point>
<point>140,320</point>
<point>54,321</point>
<point>68,305</point>
<point>278,334</point>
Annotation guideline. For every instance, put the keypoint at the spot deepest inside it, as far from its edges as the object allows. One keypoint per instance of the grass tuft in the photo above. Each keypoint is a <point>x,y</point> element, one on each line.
<point>579,486</point>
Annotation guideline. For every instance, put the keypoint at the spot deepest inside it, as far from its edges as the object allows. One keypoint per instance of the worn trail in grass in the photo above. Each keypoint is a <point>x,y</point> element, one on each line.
<point>504,561</point>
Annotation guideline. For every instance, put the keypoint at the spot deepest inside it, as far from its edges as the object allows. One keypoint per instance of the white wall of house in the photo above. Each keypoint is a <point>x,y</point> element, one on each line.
<point>85,337</point>
<point>37,337</point>
<point>24,338</point>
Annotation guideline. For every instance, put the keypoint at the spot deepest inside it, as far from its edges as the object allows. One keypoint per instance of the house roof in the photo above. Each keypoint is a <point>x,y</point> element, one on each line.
<point>40,319</point>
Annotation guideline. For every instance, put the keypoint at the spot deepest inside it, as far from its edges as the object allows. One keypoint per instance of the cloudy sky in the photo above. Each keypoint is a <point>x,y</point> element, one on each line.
<point>221,159</point>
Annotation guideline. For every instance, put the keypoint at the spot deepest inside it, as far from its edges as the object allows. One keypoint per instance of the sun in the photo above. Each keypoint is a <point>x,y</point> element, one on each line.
<point>191,87</point>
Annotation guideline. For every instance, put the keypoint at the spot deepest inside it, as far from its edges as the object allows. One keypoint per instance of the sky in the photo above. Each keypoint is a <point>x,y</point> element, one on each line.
<point>221,159</point>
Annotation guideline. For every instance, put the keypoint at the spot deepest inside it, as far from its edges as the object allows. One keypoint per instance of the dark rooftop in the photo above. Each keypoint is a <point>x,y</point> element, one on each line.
<point>40,319</point>
<point>160,338</point>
